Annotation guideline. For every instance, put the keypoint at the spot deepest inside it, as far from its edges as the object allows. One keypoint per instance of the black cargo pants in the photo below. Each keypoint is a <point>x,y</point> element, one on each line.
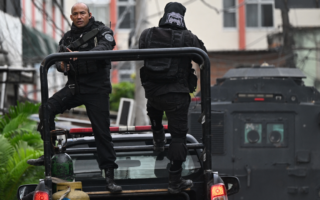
<point>176,106</point>
<point>97,106</point>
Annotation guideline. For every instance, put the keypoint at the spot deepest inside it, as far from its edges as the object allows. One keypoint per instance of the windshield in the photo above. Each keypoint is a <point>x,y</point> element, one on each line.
<point>133,165</point>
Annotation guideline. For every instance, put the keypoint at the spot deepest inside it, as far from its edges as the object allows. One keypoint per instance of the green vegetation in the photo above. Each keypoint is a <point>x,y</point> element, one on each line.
<point>123,89</point>
<point>19,142</point>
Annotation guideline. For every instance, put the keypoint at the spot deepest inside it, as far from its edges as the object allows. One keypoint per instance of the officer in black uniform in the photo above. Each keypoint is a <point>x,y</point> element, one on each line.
<point>167,83</point>
<point>88,84</point>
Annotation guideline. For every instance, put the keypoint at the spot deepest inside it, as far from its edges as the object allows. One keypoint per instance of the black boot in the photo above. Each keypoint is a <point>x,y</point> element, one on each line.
<point>159,140</point>
<point>111,186</point>
<point>177,183</point>
<point>36,162</point>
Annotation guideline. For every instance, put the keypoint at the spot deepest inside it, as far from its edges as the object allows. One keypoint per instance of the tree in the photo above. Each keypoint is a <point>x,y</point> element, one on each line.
<point>123,89</point>
<point>19,142</point>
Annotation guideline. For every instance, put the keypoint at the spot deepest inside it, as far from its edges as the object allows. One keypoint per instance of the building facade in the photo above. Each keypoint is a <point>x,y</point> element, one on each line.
<point>44,23</point>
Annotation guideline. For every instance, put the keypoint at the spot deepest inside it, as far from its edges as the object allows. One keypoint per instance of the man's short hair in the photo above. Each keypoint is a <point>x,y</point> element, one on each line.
<point>81,3</point>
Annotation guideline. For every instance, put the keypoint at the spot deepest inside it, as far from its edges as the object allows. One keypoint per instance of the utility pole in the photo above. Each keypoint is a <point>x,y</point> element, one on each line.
<point>288,41</point>
<point>140,99</point>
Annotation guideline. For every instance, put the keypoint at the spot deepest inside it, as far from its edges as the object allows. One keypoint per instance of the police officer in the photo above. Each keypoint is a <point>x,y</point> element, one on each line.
<point>167,83</point>
<point>88,84</point>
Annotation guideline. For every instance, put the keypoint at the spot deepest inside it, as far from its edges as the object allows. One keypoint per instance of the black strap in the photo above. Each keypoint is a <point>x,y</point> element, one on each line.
<point>86,37</point>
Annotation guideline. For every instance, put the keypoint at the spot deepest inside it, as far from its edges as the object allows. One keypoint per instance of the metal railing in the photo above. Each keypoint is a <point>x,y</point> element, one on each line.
<point>136,54</point>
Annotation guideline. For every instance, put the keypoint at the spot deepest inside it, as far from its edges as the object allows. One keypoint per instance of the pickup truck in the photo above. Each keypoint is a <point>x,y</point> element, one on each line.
<point>142,172</point>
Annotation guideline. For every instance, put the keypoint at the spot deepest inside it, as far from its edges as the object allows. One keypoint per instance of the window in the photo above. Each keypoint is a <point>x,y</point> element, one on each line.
<point>275,133</point>
<point>11,7</point>
<point>101,11</point>
<point>128,19</point>
<point>132,165</point>
<point>259,13</point>
<point>264,134</point>
<point>229,13</point>
<point>252,133</point>
<point>148,164</point>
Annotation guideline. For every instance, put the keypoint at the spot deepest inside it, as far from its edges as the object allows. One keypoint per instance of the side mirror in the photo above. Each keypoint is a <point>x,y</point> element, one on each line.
<point>24,190</point>
<point>232,184</point>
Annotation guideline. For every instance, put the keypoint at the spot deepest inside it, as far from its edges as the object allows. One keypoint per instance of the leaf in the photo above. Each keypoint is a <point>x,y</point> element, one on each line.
<point>18,171</point>
<point>123,89</point>
<point>33,139</point>
<point>6,151</point>
<point>22,111</point>
<point>19,142</point>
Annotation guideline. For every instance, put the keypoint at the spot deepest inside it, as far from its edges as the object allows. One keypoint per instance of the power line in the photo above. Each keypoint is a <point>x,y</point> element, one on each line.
<point>210,6</point>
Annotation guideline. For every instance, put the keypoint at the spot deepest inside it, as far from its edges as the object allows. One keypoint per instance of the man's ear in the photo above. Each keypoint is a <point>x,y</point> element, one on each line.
<point>90,15</point>
<point>71,17</point>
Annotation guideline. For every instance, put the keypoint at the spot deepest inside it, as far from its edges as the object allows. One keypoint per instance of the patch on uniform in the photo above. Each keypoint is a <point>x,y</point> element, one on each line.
<point>175,18</point>
<point>105,33</point>
<point>84,45</point>
<point>109,37</point>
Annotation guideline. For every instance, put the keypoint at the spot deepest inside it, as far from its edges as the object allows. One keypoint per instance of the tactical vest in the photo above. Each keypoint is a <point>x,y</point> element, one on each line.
<point>166,70</point>
<point>85,66</point>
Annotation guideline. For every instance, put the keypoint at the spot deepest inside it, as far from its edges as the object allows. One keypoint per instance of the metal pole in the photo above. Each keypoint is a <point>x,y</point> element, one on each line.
<point>288,40</point>
<point>3,89</point>
<point>46,143</point>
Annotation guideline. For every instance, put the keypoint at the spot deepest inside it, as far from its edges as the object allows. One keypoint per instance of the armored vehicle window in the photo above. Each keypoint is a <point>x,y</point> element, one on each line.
<point>263,130</point>
<point>275,133</point>
<point>252,133</point>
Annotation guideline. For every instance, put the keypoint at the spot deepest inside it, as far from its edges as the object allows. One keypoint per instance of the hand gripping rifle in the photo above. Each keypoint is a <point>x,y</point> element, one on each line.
<point>76,44</point>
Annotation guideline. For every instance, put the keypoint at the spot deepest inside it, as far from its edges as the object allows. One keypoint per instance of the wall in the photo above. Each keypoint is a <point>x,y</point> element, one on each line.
<point>34,16</point>
<point>207,24</point>
<point>11,38</point>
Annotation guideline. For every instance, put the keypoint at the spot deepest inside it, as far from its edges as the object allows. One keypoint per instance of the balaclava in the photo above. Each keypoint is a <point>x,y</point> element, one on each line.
<point>173,16</point>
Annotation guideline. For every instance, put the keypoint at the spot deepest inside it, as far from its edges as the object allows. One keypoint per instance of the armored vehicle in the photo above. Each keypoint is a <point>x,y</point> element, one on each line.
<point>265,130</point>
